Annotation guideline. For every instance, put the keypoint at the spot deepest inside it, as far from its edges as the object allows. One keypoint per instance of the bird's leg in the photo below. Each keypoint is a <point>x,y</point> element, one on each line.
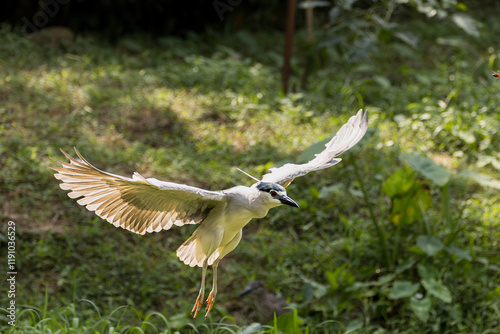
<point>213,293</point>
<point>201,294</point>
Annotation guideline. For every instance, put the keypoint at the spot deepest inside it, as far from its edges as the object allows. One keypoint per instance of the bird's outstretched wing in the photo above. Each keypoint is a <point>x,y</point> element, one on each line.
<point>348,136</point>
<point>137,204</point>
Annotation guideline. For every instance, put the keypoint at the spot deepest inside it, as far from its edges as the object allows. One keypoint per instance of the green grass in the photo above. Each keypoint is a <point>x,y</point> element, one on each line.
<point>191,110</point>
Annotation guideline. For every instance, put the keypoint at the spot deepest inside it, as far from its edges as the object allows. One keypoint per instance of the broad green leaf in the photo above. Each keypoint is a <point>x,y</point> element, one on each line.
<point>431,170</point>
<point>421,308</point>
<point>408,208</point>
<point>460,254</point>
<point>353,326</point>
<point>467,23</point>
<point>385,279</point>
<point>426,271</point>
<point>360,285</point>
<point>430,245</point>
<point>320,290</point>
<point>334,13</point>
<point>408,38</point>
<point>307,293</point>
<point>382,81</point>
<point>347,4</point>
<point>482,179</point>
<point>340,276</point>
<point>333,278</point>
<point>355,192</point>
<point>416,250</point>
<point>405,265</point>
<point>399,183</point>
<point>455,41</point>
<point>403,289</point>
<point>456,314</point>
<point>288,323</point>
<point>251,329</point>
<point>437,289</point>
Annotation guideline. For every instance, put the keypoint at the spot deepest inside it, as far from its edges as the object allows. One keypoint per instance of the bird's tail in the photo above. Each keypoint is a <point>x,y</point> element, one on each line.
<point>191,252</point>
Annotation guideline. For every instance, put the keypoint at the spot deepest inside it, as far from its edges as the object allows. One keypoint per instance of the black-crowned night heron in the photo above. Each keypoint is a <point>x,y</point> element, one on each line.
<point>149,205</point>
<point>266,303</point>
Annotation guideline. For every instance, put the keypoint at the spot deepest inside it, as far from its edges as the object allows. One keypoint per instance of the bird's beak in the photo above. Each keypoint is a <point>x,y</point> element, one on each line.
<point>246,291</point>
<point>288,201</point>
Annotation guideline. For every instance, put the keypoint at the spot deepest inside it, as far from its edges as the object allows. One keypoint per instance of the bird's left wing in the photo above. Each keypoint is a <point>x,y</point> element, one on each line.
<point>348,136</point>
<point>137,204</point>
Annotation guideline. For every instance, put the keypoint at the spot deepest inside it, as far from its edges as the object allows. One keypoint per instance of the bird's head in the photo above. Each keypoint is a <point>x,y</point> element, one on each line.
<point>277,194</point>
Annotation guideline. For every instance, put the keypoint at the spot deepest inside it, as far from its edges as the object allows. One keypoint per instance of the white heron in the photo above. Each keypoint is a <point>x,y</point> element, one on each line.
<point>144,205</point>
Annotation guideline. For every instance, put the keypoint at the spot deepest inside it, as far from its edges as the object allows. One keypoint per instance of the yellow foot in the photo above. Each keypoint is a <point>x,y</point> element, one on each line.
<point>196,307</point>
<point>210,302</point>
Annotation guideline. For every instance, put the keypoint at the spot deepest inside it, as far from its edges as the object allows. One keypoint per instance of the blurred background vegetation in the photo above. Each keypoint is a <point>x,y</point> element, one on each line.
<point>401,237</point>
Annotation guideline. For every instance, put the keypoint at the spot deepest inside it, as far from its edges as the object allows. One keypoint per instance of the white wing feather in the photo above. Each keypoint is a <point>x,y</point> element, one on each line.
<point>348,136</point>
<point>137,204</point>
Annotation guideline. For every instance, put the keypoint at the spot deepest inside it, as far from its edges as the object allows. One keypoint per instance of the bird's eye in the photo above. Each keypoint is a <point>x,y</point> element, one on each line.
<point>273,193</point>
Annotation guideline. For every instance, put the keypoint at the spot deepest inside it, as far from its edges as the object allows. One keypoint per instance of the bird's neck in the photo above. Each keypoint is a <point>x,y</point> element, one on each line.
<point>253,200</point>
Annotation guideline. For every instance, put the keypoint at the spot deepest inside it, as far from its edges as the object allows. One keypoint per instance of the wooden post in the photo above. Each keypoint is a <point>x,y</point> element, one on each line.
<point>309,23</point>
<point>290,27</point>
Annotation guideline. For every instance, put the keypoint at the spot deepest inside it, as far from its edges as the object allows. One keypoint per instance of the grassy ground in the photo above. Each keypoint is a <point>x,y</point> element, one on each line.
<point>383,242</point>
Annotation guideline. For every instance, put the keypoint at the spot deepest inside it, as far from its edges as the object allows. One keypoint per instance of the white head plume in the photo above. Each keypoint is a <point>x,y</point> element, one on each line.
<point>256,179</point>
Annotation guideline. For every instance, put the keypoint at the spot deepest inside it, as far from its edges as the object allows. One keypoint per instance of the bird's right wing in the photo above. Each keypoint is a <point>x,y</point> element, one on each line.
<point>348,136</point>
<point>137,204</point>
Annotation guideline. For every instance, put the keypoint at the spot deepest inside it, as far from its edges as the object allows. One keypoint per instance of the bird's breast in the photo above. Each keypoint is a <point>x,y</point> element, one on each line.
<point>234,220</point>
<point>237,220</point>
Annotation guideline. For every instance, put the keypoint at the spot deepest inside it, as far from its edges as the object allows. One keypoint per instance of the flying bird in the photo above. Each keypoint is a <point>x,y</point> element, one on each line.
<point>144,205</point>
